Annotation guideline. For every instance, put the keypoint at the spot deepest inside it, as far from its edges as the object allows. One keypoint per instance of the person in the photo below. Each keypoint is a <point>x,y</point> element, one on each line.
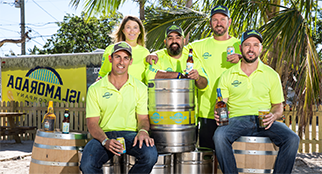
<point>116,106</point>
<point>131,30</point>
<point>172,60</point>
<point>246,87</point>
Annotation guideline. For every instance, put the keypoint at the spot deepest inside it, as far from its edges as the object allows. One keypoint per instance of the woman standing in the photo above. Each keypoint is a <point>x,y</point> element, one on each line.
<point>131,31</point>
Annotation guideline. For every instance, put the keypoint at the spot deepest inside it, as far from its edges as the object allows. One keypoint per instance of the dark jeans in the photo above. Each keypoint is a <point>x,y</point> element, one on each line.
<point>95,155</point>
<point>206,132</point>
<point>279,133</point>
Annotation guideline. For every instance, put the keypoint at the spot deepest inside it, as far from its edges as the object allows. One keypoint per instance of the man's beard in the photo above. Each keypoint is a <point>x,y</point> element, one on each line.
<point>219,33</point>
<point>249,60</point>
<point>173,51</point>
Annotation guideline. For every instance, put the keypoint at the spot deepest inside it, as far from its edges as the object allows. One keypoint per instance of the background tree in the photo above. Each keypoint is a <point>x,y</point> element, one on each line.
<point>76,35</point>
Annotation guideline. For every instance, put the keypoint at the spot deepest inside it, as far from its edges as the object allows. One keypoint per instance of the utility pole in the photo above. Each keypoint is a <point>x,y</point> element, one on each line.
<point>21,4</point>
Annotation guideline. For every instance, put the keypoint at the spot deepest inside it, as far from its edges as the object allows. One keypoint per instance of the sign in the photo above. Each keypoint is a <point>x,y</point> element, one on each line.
<point>42,84</point>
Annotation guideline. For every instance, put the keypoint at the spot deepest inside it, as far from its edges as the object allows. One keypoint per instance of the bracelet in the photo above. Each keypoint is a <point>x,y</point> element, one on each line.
<point>179,76</point>
<point>144,131</point>
<point>198,78</point>
<point>104,141</point>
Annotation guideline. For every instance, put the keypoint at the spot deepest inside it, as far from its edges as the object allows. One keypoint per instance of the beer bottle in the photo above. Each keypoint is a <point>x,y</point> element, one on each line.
<point>65,126</point>
<point>189,62</point>
<point>221,109</point>
<point>49,120</point>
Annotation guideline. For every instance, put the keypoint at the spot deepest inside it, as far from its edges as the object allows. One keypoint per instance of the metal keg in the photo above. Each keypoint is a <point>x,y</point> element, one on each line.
<point>199,161</point>
<point>172,114</point>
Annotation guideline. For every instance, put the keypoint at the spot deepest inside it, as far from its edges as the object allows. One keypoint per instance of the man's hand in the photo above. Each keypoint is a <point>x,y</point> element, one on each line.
<point>143,136</point>
<point>217,118</point>
<point>114,146</point>
<point>193,74</point>
<point>269,120</point>
<point>151,57</point>
<point>234,58</point>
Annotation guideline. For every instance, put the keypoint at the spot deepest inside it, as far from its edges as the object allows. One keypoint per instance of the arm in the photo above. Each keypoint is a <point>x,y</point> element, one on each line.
<point>166,75</point>
<point>276,113</point>
<point>97,133</point>
<point>143,127</point>
<point>200,81</point>
<point>234,58</point>
<point>149,59</point>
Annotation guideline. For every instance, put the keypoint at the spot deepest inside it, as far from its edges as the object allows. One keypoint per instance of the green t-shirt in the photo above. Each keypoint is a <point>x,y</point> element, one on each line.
<point>170,64</point>
<point>136,69</point>
<point>213,57</point>
<point>117,109</point>
<point>248,94</point>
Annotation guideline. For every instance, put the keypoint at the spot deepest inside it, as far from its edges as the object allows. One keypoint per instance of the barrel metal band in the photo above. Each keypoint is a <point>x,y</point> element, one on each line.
<point>254,139</point>
<point>53,163</point>
<point>255,152</point>
<point>70,136</point>
<point>44,146</point>
<point>241,170</point>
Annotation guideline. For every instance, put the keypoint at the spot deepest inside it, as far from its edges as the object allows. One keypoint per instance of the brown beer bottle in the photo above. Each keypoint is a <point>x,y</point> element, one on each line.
<point>221,109</point>
<point>189,62</point>
<point>49,120</point>
<point>65,126</point>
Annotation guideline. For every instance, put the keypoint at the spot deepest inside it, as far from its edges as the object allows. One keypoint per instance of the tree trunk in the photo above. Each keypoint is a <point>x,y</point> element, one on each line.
<point>188,5</point>
<point>142,3</point>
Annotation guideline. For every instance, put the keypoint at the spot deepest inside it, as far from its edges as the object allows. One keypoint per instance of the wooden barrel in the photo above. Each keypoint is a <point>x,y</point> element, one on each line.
<point>57,152</point>
<point>255,154</point>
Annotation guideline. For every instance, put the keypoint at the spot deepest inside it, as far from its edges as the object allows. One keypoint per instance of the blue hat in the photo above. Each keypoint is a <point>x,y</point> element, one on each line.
<point>251,33</point>
<point>220,9</point>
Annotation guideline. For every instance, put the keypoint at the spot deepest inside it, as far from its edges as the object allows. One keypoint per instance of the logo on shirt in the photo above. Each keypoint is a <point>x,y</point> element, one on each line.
<point>156,118</point>
<point>206,55</point>
<point>178,118</point>
<point>236,83</point>
<point>169,69</point>
<point>107,95</point>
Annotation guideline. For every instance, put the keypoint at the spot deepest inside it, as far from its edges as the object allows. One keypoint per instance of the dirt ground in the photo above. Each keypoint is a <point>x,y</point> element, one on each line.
<point>15,159</point>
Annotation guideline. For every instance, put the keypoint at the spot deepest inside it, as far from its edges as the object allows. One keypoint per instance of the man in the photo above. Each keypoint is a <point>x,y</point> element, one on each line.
<point>116,106</point>
<point>172,60</point>
<point>246,87</point>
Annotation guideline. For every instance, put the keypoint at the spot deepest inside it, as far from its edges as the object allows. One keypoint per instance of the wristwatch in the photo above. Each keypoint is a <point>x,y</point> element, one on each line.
<point>104,141</point>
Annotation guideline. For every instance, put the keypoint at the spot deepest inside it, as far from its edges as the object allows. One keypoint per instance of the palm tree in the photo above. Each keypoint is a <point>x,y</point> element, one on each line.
<point>287,28</point>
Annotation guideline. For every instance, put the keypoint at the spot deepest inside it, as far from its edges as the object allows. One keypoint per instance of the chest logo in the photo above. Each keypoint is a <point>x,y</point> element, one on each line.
<point>107,95</point>
<point>236,83</point>
<point>206,55</point>
<point>169,69</point>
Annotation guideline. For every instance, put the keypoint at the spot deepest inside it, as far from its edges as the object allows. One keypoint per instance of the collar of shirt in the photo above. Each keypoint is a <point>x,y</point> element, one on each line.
<point>237,68</point>
<point>109,85</point>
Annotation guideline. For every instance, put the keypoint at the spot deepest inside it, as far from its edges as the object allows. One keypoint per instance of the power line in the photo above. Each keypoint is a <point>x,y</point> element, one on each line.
<point>44,10</point>
<point>37,24</point>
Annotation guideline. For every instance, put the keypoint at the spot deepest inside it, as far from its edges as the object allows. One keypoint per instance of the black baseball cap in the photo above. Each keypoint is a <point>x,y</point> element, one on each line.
<point>251,33</point>
<point>220,9</point>
<point>122,46</point>
<point>173,28</point>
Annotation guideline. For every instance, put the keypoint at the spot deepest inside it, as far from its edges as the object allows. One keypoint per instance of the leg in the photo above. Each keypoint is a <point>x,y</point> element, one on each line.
<point>224,137</point>
<point>288,143</point>
<point>207,130</point>
<point>94,156</point>
<point>146,157</point>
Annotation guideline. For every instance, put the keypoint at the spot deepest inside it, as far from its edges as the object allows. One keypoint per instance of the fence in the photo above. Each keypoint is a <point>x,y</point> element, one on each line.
<point>311,141</point>
<point>35,113</point>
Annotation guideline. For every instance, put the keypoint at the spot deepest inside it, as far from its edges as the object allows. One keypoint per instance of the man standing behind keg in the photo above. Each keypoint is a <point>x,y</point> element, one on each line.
<point>173,59</point>
<point>116,106</point>
<point>247,87</point>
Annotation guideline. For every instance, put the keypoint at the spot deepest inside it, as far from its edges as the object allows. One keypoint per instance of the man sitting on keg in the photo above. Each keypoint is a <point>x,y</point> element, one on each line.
<point>246,87</point>
<point>116,106</point>
<point>172,61</point>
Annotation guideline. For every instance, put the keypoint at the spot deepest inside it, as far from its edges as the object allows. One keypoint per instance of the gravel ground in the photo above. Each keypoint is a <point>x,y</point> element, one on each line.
<point>15,159</point>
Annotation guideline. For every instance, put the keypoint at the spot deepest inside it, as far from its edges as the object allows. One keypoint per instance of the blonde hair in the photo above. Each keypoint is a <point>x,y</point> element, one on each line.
<point>119,35</point>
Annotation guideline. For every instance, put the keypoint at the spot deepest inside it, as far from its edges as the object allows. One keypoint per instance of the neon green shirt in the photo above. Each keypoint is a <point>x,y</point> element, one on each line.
<point>248,94</point>
<point>213,57</point>
<point>117,109</point>
<point>136,69</point>
<point>168,63</point>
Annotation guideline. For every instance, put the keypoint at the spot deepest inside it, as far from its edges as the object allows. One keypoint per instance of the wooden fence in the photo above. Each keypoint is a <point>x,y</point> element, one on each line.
<point>311,141</point>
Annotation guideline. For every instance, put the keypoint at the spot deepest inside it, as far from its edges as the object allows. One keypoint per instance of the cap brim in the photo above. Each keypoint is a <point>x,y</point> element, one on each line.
<point>120,49</point>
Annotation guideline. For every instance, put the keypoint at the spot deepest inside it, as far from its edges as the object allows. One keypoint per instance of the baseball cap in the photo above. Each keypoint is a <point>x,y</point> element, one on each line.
<point>220,9</point>
<point>173,28</point>
<point>251,33</point>
<point>122,46</point>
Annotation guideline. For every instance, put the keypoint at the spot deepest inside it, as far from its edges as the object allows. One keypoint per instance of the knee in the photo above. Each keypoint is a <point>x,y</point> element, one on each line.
<point>219,136</point>
<point>150,156</point>
<point>294,139</point>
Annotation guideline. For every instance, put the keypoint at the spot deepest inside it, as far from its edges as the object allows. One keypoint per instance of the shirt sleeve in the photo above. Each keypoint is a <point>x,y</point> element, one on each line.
<point>142,103</point>
<point>151,70</point>
<point>276,92</point>
<point>92,104</point>
<point>106,66</point>
<point>223,85</point>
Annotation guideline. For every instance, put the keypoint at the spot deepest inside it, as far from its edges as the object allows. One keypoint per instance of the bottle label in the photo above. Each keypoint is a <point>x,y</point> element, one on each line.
<point>65,127</point>
<point>66,115</point>
<point>230,50</point>
<point>189,67</point>
<point>223,114</point>
<point>49,124</point>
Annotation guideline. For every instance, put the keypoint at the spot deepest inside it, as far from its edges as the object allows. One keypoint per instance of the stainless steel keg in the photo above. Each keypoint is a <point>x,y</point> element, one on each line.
<point>172,114</point>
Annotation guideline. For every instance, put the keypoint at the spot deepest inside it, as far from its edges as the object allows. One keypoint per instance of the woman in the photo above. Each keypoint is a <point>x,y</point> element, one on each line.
<point>131,31</point>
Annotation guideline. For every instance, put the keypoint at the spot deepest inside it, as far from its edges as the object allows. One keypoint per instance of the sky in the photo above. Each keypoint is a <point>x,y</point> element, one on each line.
<point>40,18</point>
